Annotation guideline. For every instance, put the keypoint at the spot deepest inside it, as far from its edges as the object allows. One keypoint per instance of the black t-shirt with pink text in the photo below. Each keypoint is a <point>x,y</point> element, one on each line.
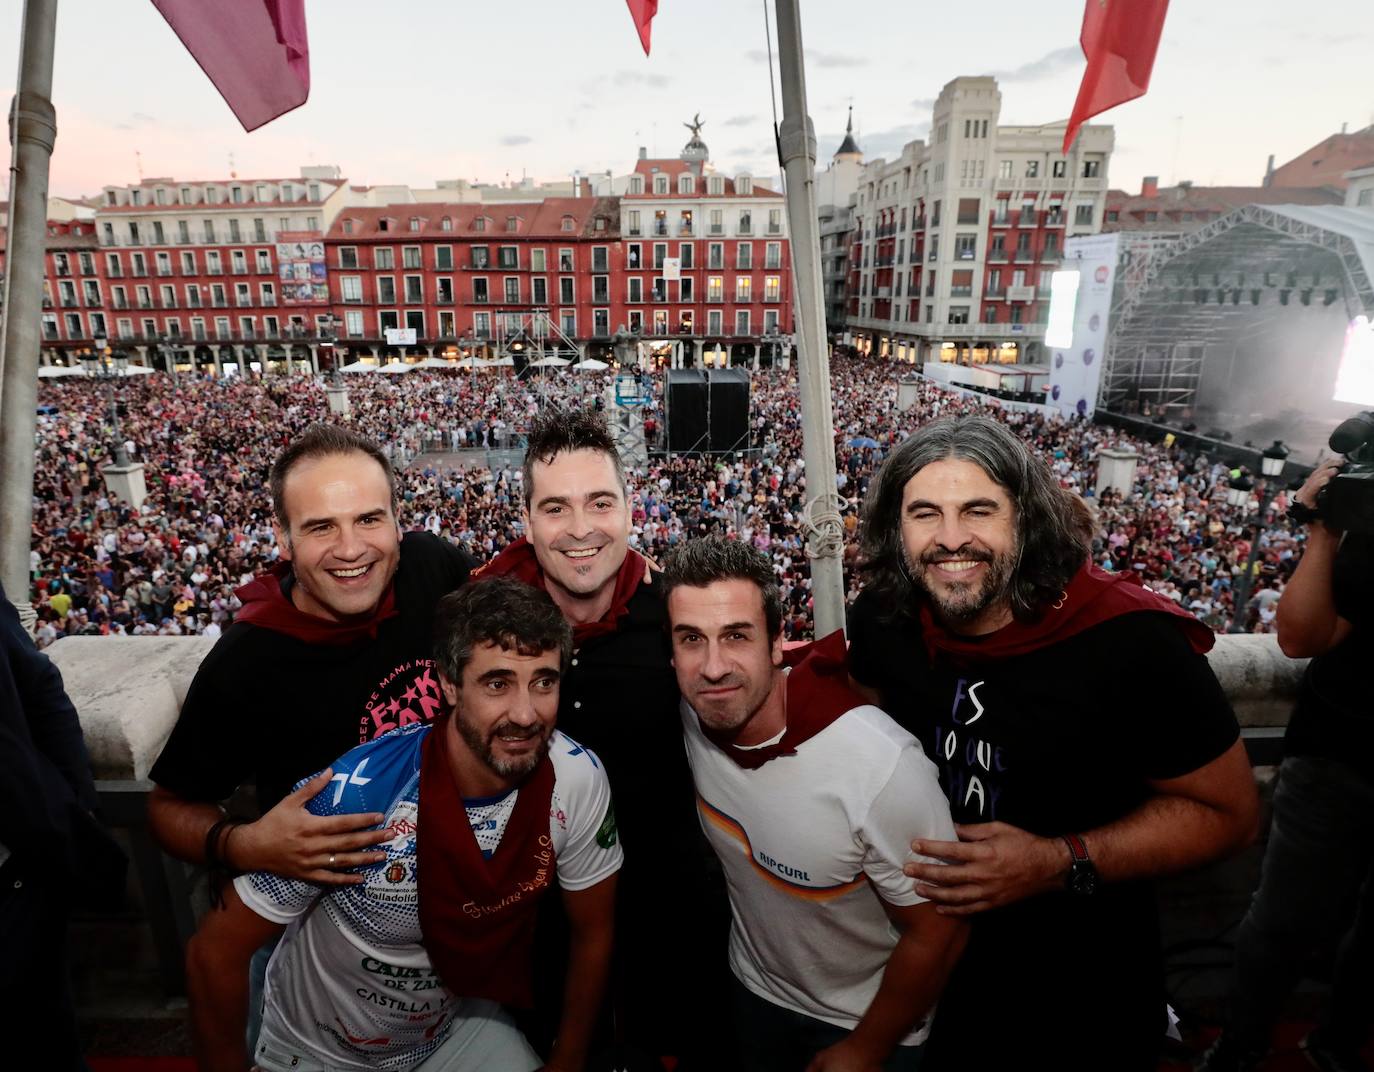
<point>268,709</point>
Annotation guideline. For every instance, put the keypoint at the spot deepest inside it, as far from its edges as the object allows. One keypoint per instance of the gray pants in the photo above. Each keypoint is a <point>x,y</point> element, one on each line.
<point>486,1040</point>
<point>1315,887</point>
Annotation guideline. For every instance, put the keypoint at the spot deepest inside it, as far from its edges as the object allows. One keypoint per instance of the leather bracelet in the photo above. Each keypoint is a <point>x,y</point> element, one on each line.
<point>217,868</point>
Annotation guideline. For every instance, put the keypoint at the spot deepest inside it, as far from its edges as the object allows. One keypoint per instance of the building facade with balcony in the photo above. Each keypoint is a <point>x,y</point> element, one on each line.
<point>230,272</point>
<point>954,241</point>
<point>725,240</point>
<point>483,276</point>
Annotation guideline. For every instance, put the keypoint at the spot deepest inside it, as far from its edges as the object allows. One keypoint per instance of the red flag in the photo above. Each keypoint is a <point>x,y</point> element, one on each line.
<point>643,12</point>
<point>254,51</point>
<point>1120,39</point>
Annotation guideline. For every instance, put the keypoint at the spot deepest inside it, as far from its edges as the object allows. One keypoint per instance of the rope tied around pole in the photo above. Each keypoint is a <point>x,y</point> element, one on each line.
<point>824,526</point>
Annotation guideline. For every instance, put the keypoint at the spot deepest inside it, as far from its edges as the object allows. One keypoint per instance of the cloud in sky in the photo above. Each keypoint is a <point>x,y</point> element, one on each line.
<point>1046,66</point>
<point>740,120</point>
<point>814,58</point>
<point>136,120</point>
<point>516,139</point>
<point>642,78</point>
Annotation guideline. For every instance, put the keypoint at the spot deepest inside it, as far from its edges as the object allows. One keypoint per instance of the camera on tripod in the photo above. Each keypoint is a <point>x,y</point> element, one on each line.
<point>1346,502</point>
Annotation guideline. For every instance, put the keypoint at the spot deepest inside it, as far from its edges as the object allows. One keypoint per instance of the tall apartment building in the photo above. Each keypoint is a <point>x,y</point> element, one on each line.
<point>955,239</point>
<point>204,274</point>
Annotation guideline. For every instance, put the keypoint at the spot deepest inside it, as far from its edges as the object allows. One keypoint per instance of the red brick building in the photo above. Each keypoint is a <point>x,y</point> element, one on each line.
<point>227,272</point>
<point>476,275</point>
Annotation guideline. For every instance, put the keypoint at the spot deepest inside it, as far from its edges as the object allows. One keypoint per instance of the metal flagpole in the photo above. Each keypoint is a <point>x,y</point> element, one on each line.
<point>33,130</point>
<point>797,151</point>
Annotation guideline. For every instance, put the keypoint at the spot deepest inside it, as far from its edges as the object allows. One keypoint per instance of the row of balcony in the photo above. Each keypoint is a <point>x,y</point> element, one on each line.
<point>115,242</point>
<point>687,230</point>
<point>263,301</point>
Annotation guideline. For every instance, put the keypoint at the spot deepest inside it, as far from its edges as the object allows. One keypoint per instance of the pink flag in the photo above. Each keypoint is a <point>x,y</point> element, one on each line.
<point>1119,39</point>
<point>254,51</point>
<point>643,12</point>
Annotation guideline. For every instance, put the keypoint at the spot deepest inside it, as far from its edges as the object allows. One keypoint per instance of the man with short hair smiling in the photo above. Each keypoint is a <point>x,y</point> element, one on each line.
<point>332,648</point>
<point>620,698</point>
<point>409,969</point>
<point>1083,742</point>
<point>809,796</point>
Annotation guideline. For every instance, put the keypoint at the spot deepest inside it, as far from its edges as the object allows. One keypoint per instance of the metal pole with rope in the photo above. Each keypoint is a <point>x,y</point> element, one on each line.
<point>33,132</point>
<point>797,154</point>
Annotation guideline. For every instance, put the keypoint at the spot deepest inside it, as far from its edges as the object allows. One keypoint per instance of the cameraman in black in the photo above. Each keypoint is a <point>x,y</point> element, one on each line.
<point>1315,886</point>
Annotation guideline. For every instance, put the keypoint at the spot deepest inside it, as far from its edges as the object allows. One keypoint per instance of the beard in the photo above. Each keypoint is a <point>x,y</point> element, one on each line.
<point>961,602</point>
<point>509,767</point>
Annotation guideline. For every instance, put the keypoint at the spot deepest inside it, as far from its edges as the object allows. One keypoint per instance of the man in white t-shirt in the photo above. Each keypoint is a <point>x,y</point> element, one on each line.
<point>382,971</point>
<point>808,796</point>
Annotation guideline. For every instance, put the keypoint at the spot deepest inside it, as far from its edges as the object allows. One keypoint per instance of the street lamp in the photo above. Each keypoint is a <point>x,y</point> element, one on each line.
<point>1272,461</point>
<point>101,365</point>
<point>328,338</point>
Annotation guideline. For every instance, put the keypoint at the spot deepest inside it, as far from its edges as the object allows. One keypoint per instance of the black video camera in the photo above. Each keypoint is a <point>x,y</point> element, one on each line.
<point>1346,503</point>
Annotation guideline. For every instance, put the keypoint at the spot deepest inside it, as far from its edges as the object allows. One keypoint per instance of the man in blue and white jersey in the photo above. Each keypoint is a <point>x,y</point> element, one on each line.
<point>398,974</point>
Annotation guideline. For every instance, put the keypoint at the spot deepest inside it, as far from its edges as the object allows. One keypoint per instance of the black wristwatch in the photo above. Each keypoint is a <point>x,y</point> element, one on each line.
<point>1082,878</point>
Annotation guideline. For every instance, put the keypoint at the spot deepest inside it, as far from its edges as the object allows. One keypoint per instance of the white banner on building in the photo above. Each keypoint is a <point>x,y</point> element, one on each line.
<point>400,336</point>
<point>1076,370</point>
<point>672,268</point>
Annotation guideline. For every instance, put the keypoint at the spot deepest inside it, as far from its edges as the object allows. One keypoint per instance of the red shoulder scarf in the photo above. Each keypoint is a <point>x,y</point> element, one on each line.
<point>818,693</point>
<point>1093,596</point>
<point>518,561</point>
<point>268,607</point>
<point>477,916</point>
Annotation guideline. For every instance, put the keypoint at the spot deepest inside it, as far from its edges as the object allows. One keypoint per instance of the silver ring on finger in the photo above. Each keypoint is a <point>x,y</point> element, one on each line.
<point>331,859</point>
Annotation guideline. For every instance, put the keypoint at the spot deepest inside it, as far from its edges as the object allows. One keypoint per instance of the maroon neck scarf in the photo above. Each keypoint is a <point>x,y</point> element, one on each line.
<point>817,693</point>
<point>477,916</point>
<point>519,561</point>
<point>266,605</point>
<point>1093,596</point>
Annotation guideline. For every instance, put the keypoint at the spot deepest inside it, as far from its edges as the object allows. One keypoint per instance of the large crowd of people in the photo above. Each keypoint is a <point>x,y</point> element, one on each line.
<point>171,567</point>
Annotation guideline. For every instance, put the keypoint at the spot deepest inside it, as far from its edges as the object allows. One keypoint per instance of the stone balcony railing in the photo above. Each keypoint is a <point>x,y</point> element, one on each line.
<point>129,691</point>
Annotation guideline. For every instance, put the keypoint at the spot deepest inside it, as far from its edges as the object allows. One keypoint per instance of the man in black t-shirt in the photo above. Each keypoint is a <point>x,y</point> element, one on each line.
<point>619,697</point>
<point>331,649</point>
<point>1083,742</point>
<point>1316,881</point>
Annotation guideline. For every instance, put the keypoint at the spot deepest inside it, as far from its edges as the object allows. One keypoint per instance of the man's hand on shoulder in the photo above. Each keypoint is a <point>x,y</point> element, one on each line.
<point>291,842</point>
<point>991,865</point>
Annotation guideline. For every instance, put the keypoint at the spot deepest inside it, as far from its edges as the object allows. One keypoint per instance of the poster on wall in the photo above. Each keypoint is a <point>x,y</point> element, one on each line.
<point>300,268</point>
<point>1076,368</point>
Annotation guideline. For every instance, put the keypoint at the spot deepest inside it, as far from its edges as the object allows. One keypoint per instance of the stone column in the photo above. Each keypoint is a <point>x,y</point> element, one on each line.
<point>697,346</point>
<point>1115,469</point>
<point>126,482</point>
<point>314,359</point>
<point>337,394</point>
<point>907,392</point>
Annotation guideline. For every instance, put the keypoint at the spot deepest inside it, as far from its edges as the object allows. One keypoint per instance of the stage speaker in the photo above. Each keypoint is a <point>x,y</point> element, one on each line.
<point>707,410</point>
<point>729,409</point>
<point>685,405</point>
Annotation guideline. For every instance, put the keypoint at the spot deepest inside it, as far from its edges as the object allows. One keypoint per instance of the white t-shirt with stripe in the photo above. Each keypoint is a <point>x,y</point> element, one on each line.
<point>809,843</point>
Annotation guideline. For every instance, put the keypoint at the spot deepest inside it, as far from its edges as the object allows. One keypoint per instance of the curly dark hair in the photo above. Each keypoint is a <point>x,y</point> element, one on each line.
<point>557,430</point>
<point>1053,528</point>
<point>699,562</point>
<point>321,441</point>
<point>501,611</point>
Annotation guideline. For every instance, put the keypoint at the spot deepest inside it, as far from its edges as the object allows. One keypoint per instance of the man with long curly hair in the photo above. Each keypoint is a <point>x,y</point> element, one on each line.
<point>1082,739</point>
